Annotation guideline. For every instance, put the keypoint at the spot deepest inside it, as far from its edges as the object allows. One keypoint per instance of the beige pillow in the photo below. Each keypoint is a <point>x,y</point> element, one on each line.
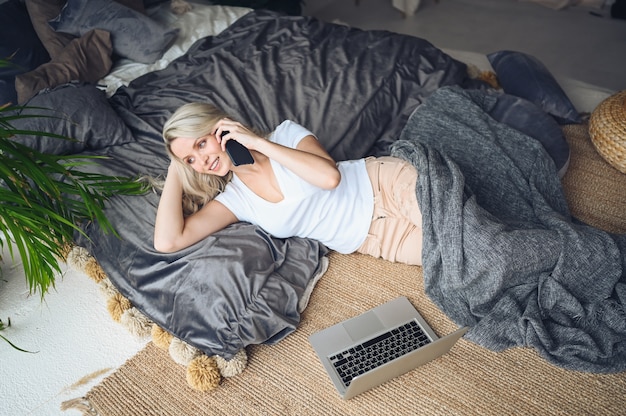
<point>86,59</point>
<point>40,11</point>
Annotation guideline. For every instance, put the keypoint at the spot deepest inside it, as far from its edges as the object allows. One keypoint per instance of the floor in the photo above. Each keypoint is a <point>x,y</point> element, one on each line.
<point>75,342</point>
<point>571,42</point>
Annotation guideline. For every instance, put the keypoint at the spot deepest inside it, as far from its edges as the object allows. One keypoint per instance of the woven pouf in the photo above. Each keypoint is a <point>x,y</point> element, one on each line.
<point>607,128</point>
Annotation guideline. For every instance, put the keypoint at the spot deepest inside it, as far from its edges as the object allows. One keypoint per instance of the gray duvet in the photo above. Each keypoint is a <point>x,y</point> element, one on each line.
<point>501,252</point>
<point>355,89</point>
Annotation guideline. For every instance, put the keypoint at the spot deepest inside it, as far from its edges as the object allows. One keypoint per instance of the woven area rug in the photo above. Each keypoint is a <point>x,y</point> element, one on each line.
<point>287,378</point>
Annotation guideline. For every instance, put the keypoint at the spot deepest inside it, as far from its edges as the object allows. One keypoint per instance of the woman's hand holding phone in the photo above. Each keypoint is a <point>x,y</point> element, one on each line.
<point>237,152</point>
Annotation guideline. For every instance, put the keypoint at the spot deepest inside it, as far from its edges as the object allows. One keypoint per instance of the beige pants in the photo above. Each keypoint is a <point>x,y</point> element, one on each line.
<point>396,230</point>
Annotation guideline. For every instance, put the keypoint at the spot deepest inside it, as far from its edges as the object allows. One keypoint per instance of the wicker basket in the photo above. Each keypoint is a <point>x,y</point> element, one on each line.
<point>607,128</point>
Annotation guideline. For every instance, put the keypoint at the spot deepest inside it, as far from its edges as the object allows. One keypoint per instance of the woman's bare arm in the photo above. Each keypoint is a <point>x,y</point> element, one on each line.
<point>173,232</point>
<point>309,159</point>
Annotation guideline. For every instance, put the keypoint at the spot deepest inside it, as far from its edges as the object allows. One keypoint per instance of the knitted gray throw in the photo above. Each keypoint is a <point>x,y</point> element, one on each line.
<point>502,253</point>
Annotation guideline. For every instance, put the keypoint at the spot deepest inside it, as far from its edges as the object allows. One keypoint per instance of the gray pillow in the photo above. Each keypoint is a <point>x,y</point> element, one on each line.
<point>531,120</point>
<point>134,35</point>
<point>525,76</point>
<point>41,11</point>
<point>75,110</point>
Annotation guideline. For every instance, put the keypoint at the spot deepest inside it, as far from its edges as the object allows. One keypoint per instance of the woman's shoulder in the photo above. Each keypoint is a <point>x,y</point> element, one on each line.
<point>290,133</point>
<point>289,125</point>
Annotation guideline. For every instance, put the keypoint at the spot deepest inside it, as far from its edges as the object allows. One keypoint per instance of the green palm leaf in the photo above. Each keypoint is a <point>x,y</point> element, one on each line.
<point>44,198</point>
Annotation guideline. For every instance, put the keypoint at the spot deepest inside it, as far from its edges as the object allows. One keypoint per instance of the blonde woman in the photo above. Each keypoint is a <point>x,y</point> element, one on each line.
<point>293,188</point>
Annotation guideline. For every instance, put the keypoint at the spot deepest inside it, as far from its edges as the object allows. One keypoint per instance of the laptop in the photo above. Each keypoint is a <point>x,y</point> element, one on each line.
<point>385,342</point>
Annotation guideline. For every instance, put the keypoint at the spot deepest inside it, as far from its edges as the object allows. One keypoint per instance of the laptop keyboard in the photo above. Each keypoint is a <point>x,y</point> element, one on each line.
<point>377,351</point>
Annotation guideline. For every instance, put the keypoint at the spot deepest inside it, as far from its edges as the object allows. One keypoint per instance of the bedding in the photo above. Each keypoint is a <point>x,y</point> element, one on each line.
<point>525,76</point>
<point>143,41</point>
<point>355,89</point>
<point>42,11</point>
<point>68,110</point>
<point>201,22</point>
<point>244,70</point>
<point>502,253</point>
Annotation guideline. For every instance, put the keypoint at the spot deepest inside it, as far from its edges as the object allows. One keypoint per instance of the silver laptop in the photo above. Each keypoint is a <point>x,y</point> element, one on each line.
<point>365,351</point>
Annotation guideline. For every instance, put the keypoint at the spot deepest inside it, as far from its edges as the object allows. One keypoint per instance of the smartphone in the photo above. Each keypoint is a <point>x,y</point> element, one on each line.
<point>237,152</point>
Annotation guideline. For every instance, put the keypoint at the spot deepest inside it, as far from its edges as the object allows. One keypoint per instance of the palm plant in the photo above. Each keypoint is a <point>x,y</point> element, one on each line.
<point>43,200</point>
<point>3,327</point>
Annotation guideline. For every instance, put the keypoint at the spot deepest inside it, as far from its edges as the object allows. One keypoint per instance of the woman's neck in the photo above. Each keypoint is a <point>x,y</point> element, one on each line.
<point>260,178</point>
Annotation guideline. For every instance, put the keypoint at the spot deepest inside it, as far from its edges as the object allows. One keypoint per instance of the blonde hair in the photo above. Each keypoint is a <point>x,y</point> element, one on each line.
<point>194,120</point>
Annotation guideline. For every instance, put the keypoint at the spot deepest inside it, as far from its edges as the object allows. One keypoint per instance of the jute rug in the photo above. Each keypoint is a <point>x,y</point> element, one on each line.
<point>287,378</point>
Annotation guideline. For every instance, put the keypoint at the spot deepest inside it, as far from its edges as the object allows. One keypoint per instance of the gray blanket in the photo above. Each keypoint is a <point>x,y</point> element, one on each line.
<point>502,253</point>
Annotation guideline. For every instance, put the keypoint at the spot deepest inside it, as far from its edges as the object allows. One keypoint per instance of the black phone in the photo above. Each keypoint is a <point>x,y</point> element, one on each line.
<point>237,152</point>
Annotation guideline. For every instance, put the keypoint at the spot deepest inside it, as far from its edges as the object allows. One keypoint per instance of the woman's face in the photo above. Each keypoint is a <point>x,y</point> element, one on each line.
<point>204,154</point>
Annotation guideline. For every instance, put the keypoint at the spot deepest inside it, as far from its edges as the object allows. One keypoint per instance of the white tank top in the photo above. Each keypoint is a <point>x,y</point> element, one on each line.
<point>339,218</point>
